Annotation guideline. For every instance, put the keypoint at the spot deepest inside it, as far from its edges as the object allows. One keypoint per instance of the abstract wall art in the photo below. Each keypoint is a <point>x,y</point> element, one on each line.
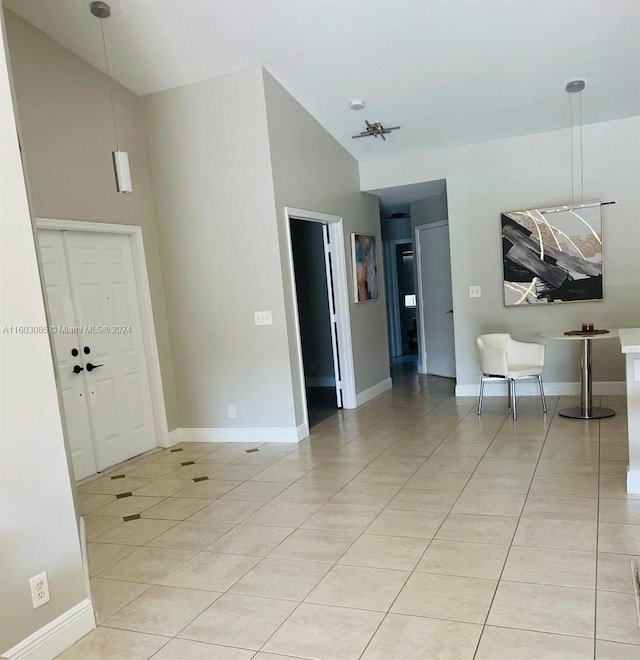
<point>365,267</point>
<point>552,255</point>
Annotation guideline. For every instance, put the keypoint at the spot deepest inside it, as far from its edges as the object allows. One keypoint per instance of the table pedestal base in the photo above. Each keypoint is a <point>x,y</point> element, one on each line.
<point>579,413</point>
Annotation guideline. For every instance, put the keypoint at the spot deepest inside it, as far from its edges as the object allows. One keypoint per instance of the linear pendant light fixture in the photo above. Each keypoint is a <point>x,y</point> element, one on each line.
<point>576,87</point>
<point>121,169</point>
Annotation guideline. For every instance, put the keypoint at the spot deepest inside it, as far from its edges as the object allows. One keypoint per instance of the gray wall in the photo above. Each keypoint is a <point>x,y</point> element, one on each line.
<point>427,210</point>
<point>312,171</point>
<point>67,140</point>
<point>218,240</point>
<point>526,172</point>
<point>313,301</point>
<point>37,518</point>
<point>395,229</point>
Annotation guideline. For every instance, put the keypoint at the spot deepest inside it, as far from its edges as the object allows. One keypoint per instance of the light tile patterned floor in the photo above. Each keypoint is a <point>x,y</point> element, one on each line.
<point>408,528</point>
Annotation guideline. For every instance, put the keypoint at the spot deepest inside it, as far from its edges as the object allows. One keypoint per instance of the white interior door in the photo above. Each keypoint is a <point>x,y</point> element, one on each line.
<point>106,311</point>
<point>67,349</point>
<point>436,300</point>
<point>332,314</point>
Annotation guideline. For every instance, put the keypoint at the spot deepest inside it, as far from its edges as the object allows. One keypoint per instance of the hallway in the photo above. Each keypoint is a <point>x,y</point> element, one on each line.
<point>408,528</point>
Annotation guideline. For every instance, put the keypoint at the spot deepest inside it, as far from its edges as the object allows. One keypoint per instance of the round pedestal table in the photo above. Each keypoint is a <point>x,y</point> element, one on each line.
<point>586,409</point>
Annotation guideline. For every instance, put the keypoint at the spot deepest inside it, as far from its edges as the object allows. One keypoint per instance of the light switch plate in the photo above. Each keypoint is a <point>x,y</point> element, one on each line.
<point>475,291</point>
<point>636,370</point>
<point>263,318</point>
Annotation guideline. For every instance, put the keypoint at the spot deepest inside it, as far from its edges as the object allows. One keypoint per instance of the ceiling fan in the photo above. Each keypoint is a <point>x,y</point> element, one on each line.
<point>375,128</point>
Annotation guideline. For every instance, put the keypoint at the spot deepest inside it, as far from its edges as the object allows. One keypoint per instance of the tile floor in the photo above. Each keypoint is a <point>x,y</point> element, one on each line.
<point>406,529</point>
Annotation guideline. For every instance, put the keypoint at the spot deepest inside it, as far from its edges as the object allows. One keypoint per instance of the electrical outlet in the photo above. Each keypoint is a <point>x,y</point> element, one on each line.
<point>313,366</point>
<point>39,590</point>
<point>475,291</point>
<point>231,412</point>
<point>263,318</point>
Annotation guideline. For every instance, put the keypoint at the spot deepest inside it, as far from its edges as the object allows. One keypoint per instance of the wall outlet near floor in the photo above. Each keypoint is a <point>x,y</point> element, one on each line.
<point>39,590</point>
<point>475,291</point>
<point>231,412</point>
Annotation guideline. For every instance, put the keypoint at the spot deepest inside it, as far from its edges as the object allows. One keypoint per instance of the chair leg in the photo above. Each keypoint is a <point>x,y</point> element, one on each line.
<point>480,398</point>
<point>512,387</point>
<point>509,403</point>
<point>544,403</point>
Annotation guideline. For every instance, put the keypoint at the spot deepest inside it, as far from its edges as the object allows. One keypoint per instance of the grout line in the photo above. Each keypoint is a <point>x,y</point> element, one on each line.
<point>595,599</point>
<point>515,530</point>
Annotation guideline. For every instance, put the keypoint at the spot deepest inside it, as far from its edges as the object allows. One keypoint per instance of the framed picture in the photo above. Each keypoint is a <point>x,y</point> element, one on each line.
<point>365,267</point>
<point>552,255</point>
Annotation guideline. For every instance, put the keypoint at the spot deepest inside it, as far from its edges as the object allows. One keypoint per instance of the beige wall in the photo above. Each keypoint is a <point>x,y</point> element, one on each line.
<point>312,171</point>
<point>216,223</point>
<point>67,138</point>
<point>527,172</point>
<point>37,519</point>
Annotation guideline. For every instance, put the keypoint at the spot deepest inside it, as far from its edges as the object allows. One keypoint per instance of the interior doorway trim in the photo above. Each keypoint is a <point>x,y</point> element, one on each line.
<point>146,311</point>
<point>395,335</point>
<point>341,292</point>
<point>422,342</point>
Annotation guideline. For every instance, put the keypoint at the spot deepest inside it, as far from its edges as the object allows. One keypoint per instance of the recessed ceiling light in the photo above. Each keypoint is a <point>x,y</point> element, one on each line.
<point>356,104</point>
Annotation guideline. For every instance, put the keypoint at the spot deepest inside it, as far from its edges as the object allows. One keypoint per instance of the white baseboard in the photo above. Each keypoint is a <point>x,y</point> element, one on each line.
<point>372,392</point>
<point>530,388</point>
<point>286,434</point>
<point>320,381</point>
<point>633,482</point>
<point>175,437</point>
<point>56,636</point>
<point>303,431</point>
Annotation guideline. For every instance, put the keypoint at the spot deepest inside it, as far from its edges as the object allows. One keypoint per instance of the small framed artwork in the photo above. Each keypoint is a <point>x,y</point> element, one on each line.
<point>365,267</point>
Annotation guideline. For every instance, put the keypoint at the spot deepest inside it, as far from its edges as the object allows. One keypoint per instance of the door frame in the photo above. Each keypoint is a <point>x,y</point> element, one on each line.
<point>134,232</point>
<point>393,316</point>
<point>422,351</point>
<point>341,294</point>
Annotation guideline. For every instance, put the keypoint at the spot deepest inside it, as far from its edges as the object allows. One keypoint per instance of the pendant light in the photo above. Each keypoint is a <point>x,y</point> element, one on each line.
<point>121,169</point>
<point>575,87</point>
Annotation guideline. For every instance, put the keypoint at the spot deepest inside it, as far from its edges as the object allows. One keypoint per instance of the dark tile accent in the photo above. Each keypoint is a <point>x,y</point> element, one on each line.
<point>135,516</point>
<point>250,451</point>
<point>201,479</point>
<point>173,451</point>
<point>118,476</point>
<point>119,496</point>
<point>188,463</point>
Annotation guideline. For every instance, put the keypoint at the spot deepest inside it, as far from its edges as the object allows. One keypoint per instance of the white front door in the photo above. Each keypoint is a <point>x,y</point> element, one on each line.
<point>436,304</point>
<point>101,298</point>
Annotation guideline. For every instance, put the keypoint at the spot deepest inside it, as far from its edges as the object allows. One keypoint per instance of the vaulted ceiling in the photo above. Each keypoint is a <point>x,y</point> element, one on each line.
<point>449,72</point>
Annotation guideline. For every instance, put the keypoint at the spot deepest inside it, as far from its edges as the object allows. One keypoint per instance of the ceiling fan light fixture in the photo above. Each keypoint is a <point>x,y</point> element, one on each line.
<point>356,104</point>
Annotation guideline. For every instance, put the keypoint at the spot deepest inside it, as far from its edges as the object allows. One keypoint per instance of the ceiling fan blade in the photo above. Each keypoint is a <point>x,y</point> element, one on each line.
<point>362,135</point>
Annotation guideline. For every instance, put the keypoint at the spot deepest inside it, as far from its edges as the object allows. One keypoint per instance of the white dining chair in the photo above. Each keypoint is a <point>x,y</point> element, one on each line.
<point>504,358</point>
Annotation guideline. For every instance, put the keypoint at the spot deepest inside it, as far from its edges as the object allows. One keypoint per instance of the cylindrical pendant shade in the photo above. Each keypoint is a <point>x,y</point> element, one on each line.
<point>122,171</point>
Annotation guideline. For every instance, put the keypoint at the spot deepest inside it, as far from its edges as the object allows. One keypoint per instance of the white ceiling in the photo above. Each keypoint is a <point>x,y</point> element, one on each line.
<point>448,71</point>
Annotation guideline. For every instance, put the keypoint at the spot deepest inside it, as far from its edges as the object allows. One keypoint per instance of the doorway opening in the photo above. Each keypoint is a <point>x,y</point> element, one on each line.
<point>316,304</point>
<point>415,233</point>
<point>326,380</point>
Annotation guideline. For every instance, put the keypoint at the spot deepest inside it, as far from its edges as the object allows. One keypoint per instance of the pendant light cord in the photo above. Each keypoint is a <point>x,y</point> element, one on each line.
<point>106,61</point>
<point>581,162</point>
<point>571,129</point>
